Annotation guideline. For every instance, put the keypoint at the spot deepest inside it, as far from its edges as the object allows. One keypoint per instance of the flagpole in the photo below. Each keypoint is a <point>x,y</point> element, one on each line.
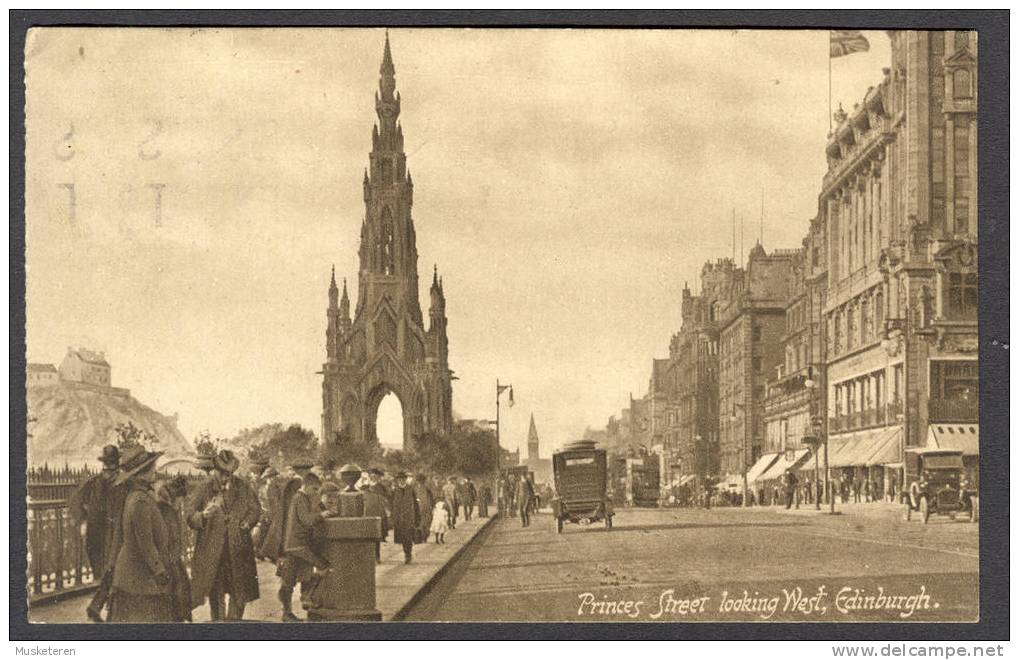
<point>829,81</point>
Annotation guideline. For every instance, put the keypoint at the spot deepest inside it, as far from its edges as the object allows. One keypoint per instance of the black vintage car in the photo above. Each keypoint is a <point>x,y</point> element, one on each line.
<point>581,479</point>
<point>935,484</point>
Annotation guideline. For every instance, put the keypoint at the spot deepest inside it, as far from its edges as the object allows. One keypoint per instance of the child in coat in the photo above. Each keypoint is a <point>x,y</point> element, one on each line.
<point>440,521</point>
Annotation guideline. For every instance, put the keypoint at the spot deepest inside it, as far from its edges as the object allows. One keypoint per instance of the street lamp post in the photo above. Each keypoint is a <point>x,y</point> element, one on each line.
<point>820,437</point>
<point>499,389</point>
<point>743,462</point>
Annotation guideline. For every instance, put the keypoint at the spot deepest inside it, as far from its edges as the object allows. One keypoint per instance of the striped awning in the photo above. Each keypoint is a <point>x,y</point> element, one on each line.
<point>761,466</point>
<point>963,437</point>
<point>786,462</point>
<point>866,448</point>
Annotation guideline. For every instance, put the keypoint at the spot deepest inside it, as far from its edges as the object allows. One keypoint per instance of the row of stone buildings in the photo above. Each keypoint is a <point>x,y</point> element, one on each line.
<point>866,334</point>
<point>80,365</point>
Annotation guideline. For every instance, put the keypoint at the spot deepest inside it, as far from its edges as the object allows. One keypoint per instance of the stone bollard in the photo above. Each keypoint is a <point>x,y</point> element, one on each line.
<point>347,592</point>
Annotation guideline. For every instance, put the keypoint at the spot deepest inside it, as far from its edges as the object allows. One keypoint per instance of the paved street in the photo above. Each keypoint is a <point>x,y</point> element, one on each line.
<point>726,564</point>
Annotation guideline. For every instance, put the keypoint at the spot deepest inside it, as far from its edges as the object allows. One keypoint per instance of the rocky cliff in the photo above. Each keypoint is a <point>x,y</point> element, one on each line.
<point>70,422</point>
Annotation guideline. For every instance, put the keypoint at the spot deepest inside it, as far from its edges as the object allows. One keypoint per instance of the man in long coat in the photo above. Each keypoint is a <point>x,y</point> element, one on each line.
<point>470,497</point>
<point>95,507</point>
<point>224,509</point>
<point>524,496</point>
<point>279,493</point>
<point>301,558</point>
<point>375,507</point>
<point>484,499</point>
<point>406,515</point>
<point>426,502</point>
<point>452,497</point>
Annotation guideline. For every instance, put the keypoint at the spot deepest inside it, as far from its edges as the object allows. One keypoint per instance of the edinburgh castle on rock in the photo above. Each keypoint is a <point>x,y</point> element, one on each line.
<point>385,347</point>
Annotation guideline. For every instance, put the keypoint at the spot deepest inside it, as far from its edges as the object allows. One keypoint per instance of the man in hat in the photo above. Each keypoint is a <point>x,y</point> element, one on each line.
<point>451,494</point>
<point>95,508</point>
<point>406,515</point>
<point>524,498</point>
<point>280,492</point>
<point>375,507</point>
<point>426,502</point>
<point>301,560</point>
<point>260,474</point>
<point>470,497</point>
<point>224,509</point>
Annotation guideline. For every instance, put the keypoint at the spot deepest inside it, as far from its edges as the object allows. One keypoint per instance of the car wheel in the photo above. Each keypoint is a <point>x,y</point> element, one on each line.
<point>925,510</point>
<point>951,515</point>
<point>558,525</point>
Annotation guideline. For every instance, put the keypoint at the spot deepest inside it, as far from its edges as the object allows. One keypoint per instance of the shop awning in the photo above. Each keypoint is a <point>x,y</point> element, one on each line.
<point>762,464</point>
<point>687,479</point>
<point>786,461</point>
<point>963,437</point>
<point>872,447</point>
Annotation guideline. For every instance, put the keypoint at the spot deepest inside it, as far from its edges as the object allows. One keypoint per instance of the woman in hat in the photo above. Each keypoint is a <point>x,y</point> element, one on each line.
<point>141,590</point>
<point>224,509</point>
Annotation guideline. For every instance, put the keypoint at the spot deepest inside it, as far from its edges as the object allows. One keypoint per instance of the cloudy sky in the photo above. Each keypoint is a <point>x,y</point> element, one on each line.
<point>567,184</point>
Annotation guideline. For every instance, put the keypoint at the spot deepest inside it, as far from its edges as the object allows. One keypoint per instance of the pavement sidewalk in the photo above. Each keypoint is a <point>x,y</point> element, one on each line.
<point>874,510</point>
<point>397,585</point>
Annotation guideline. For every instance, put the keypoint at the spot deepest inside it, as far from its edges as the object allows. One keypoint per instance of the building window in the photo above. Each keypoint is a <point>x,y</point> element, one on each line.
<point>962,215</point>
<point>962,84</point>
<point>851,328</point>
<point>897,384</point>
<point>756,332</point>
<point>879,313</point>
<point>757,365</point>
<point>962,296</point>
<point>866,324</point>
<point>955,390</point>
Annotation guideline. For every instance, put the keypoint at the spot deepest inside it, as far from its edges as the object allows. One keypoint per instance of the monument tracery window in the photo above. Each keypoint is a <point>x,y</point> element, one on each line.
<point>387,263</point>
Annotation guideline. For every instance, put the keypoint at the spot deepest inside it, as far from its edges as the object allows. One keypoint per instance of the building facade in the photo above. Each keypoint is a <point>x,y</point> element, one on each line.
<point>899,207</point>
<point>41,375</point>
<point>385,347</point>
<point>81,365</point>
<point>750,329</point>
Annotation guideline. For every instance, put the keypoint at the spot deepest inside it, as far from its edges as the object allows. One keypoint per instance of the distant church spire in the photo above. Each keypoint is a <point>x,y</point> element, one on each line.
<point>532,440</point>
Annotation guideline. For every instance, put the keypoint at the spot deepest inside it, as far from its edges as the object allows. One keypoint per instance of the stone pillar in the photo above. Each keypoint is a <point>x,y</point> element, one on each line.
<point>347,593</point>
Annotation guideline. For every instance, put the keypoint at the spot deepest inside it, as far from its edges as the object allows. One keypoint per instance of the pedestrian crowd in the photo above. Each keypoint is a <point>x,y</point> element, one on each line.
<point>135,526</point>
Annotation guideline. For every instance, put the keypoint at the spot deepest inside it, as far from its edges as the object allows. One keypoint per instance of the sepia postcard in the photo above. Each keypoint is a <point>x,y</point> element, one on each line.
<point>501,325</point>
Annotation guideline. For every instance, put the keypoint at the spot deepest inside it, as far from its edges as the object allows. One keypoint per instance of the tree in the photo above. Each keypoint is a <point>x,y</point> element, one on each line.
<point>475,452</point>
<point>129,435</point>
<point>205,445</point>
<point>285,445</point>
<point>343,450</point>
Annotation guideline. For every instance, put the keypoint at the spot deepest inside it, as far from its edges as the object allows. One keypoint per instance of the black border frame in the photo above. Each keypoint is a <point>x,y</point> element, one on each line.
<point>993,157</point>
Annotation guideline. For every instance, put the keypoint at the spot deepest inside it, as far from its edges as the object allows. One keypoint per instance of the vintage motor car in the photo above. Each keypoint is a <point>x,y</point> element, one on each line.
<point>580,473</point>
<point>936,484</point>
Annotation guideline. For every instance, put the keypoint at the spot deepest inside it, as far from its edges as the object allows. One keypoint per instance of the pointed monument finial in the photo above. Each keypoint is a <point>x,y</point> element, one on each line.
<point>387,67</point>
<point>345,288</point>
<point>435,275</point>
<point>332,277</point>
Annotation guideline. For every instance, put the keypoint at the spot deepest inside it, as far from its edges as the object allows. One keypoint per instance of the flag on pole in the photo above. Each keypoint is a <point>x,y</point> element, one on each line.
<point>845,42</point>
<point>511,396</point>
